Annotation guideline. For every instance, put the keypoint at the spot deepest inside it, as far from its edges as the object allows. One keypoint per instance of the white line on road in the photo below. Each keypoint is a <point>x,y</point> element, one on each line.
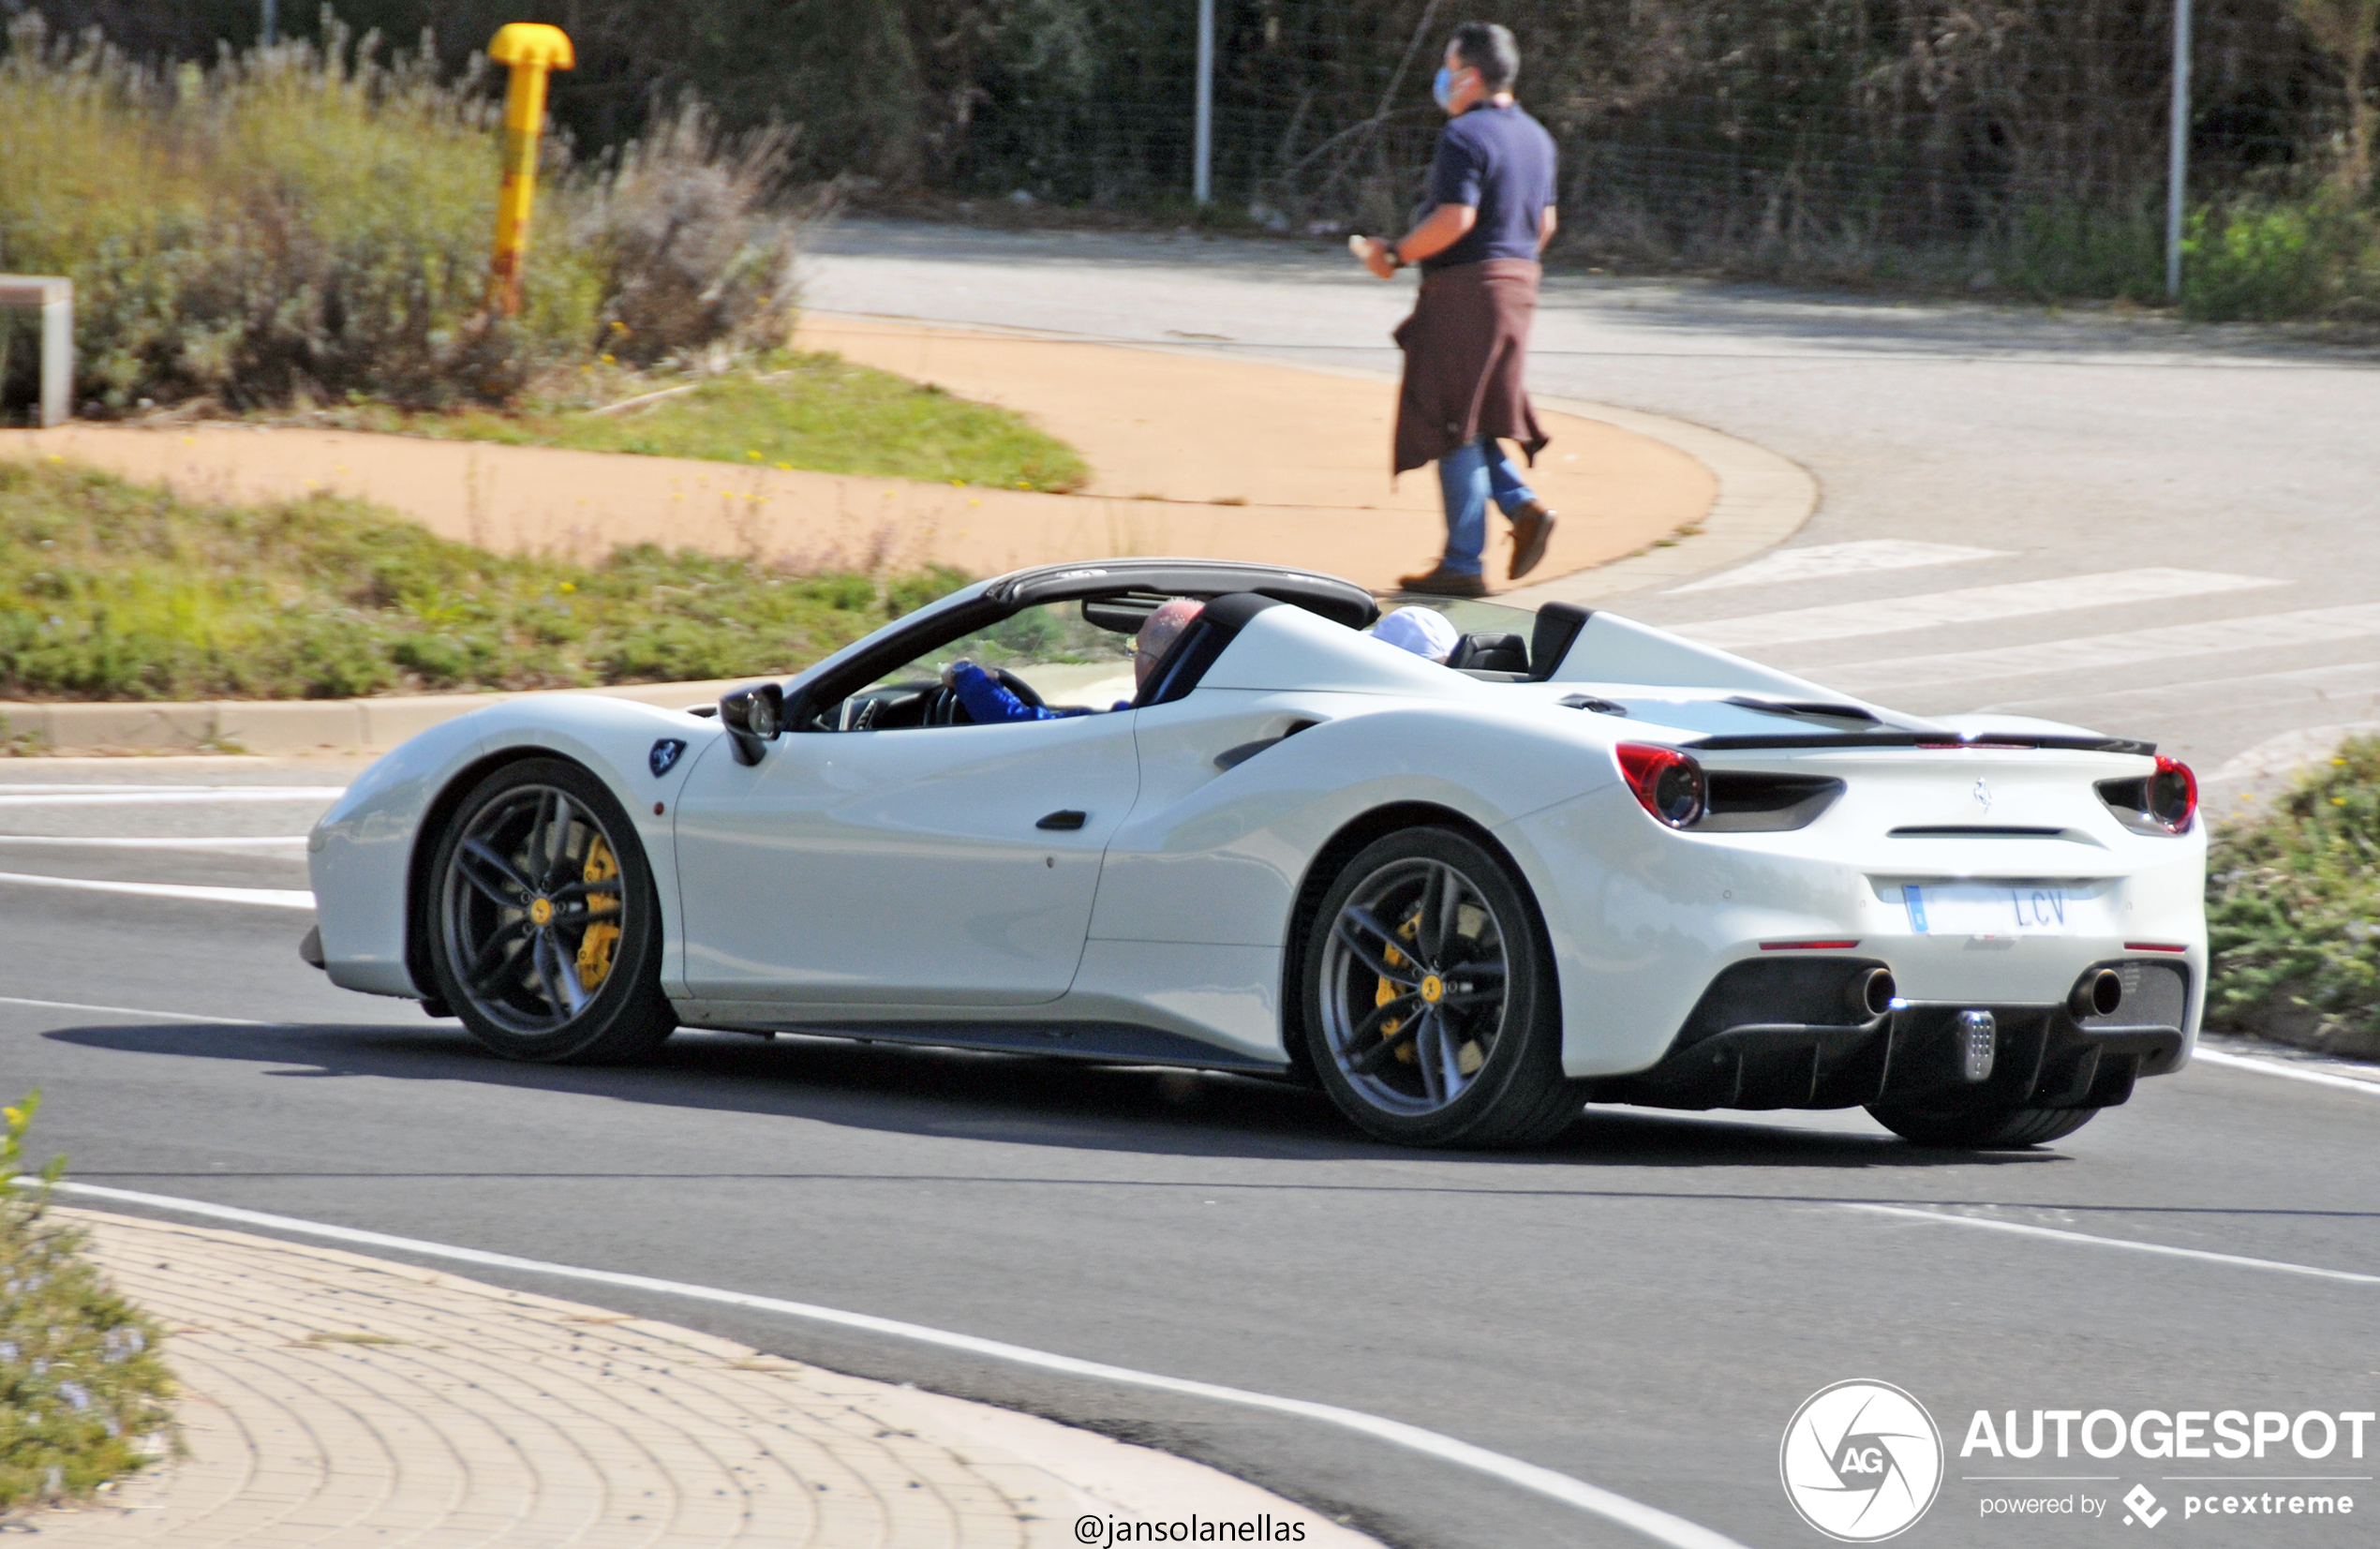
<point>1653,1522</point>
<point>275,898</point>
<point>159,795</point>
<point>278,841</point>
<point>2284,1067</point>
<point>2091,652</point>
<point>1822,560</point>
<point>135,1011</point>
<point>1966,605</point>
<point>2280,1266</point>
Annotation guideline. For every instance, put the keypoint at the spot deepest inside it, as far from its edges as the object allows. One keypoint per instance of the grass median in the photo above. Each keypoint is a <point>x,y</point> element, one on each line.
<point>815,411</point>
<point>2293,912</point>
<point>111,590</point>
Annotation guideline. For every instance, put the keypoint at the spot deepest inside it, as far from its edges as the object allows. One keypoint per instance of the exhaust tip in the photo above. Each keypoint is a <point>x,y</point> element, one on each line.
<point>1871,993</point>
<point>2097,993</point>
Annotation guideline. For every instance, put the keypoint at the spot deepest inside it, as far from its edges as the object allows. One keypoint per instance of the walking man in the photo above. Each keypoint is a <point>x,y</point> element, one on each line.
<point>1489,214</point>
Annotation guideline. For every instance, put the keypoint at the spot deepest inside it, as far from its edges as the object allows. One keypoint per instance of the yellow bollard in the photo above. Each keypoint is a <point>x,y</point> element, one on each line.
<point>531,49</point>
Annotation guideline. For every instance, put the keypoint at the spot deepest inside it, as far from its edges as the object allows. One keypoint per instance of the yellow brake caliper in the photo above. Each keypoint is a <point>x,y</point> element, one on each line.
<point>595,947</point>
<point>1387,990</point>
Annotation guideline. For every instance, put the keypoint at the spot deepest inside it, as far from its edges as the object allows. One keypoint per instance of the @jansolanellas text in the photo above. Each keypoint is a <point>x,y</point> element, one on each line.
<point>1102,1532</point>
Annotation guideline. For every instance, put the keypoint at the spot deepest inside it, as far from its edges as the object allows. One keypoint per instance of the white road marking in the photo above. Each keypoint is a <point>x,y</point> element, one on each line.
<point>1821,560</point>
<point>2236,1260</point>
<point>278,841</point>
<point>2285,1067</point>
<point>160,795</point>
<point>2340,680</point>
<point>1651,1522</point>
<point>1966,605</point>
<point>275,898</point>
<point>2091,652</point>
<point>135,1011</point>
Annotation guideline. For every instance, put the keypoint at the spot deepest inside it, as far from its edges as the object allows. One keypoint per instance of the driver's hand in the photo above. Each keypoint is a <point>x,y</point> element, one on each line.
<point>950,671</point>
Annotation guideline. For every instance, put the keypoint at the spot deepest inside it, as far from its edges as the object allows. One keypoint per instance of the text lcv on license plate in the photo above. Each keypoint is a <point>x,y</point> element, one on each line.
<point>1991,909</point>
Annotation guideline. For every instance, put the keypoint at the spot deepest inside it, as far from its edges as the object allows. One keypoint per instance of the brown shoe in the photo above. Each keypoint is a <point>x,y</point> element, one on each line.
<point>1532,525</point>
<point>1443,582</point>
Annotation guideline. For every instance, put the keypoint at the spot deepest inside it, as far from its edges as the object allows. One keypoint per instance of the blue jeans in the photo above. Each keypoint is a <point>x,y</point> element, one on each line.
<point>1467,477</point>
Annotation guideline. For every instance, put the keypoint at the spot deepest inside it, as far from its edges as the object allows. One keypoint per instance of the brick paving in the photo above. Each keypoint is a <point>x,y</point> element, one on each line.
<point>331,1401</point>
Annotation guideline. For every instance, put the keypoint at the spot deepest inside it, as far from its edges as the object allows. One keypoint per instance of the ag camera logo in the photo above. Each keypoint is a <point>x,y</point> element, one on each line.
<point>1862,1461</point>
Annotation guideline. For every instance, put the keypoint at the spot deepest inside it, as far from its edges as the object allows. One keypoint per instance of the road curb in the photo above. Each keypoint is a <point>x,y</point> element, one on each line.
<point>336,1401</point>
<point>1764,498</point>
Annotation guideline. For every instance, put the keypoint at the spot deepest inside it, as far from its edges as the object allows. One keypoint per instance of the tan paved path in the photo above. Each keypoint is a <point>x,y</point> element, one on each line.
<point>1306,452</point>
<point>333,1401</point>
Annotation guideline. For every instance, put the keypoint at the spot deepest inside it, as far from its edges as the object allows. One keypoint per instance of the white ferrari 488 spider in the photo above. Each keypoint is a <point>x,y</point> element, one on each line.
<point>1583,861</point>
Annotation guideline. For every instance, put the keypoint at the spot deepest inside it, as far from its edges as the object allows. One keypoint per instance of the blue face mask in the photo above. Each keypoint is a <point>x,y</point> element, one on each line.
<point>1442,89</point>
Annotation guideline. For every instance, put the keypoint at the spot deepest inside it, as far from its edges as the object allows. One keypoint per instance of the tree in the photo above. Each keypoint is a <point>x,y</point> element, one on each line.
<point>2347,31</point>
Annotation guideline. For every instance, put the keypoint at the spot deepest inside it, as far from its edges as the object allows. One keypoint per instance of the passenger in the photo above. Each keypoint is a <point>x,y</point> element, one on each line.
<point>1425,631</point>
<point>989,701</point>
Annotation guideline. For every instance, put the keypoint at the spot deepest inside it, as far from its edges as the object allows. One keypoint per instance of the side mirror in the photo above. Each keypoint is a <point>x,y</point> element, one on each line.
<point>753,719</point>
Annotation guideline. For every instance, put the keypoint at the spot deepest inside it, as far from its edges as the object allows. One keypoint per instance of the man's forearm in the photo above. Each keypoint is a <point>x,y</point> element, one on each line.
<point>1440,229</point>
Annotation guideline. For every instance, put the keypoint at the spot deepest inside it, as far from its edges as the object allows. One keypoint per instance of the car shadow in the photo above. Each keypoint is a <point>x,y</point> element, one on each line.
<point>1018,1099</point>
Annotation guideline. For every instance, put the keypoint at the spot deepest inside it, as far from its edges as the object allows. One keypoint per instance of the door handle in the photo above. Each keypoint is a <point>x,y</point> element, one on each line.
<point>1064,818</point>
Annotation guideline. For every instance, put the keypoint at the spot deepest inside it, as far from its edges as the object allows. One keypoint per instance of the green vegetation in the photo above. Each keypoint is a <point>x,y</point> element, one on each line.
<point>83,1382</point>
<point>302,223</point>
<point>812,410</point>
<point>2293,912</point>
<point>114,590</point>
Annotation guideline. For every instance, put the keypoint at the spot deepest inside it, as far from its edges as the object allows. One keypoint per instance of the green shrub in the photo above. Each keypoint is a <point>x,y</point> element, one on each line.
<point>83,1380</point>
<point>115,590</point>
<point>2269,261</point>
<point>300,223</point>
<point>2293,911</point>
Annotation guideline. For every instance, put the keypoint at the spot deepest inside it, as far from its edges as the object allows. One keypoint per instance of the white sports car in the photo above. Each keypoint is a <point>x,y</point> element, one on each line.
<point>1593,862</point>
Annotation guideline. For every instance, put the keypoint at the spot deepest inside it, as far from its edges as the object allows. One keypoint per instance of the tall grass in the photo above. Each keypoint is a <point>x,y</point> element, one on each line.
<point>312,222</point>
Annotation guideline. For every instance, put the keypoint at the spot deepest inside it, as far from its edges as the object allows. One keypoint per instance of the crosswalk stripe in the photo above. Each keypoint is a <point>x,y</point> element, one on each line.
<point>1822,560</point>
<point>2257,632</point>
<point>101,796</point>
<point>1966,605</point>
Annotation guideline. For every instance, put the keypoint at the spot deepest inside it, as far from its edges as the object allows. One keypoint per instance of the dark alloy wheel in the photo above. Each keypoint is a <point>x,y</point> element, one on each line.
<point>545,925</point>
<point>1430,1006</point>
<point>1984,1129</point>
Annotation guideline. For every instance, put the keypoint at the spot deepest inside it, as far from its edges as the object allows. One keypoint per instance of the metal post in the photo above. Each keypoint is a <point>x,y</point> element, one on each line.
<point>1202,150</point>
<point>57,355</point>
<point>272,23</point>
<point>532,50</point>
<point>2177,168</point>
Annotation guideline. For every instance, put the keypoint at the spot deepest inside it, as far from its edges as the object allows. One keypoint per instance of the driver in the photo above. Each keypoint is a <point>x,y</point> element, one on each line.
<point>989,701</point>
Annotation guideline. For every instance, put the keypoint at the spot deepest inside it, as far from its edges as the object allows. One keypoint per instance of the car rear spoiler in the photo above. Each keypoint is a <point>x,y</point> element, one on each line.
<point>1890,737</point>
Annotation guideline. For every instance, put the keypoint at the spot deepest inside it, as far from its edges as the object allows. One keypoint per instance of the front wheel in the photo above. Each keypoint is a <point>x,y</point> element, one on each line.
<point>1982,1129</point>
<point>544,924</point>
<point>1431,1011</point>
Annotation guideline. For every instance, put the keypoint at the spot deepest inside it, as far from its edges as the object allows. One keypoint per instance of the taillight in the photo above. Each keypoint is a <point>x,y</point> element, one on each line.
<point>2172,794</point>
<point>1668,783</point>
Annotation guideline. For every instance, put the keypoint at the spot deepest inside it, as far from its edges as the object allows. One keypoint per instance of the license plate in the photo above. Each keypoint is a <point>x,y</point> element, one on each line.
<point>1993,909</point>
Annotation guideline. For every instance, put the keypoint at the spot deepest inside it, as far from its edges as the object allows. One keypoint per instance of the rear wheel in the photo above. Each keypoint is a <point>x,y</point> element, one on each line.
<point>546,927</point>
<point>1431,1011</point>
<point>1983,1129</point>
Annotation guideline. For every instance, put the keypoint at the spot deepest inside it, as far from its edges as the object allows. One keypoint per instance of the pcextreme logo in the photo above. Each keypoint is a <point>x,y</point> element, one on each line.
<point>1860,1461</point>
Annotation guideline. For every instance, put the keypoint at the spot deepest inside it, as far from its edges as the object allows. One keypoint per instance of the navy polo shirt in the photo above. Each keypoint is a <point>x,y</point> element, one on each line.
<point>1501,162</point>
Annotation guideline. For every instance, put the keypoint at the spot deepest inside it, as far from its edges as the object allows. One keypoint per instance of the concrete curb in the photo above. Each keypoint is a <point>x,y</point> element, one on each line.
<point>1764,498</point>
<point>333,1401</point>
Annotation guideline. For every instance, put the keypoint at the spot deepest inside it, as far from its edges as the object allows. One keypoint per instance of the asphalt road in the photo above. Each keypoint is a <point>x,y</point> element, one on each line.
<point>1642,1306</point>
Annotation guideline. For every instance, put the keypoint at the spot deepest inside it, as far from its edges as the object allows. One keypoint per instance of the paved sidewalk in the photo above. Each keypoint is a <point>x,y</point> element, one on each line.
<point>334,1401</point>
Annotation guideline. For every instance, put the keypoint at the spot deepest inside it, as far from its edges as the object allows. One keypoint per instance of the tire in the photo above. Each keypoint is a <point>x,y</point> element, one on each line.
<point>522,944</point>
<point>1983,1129</point>
<point>1405,1026</point>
